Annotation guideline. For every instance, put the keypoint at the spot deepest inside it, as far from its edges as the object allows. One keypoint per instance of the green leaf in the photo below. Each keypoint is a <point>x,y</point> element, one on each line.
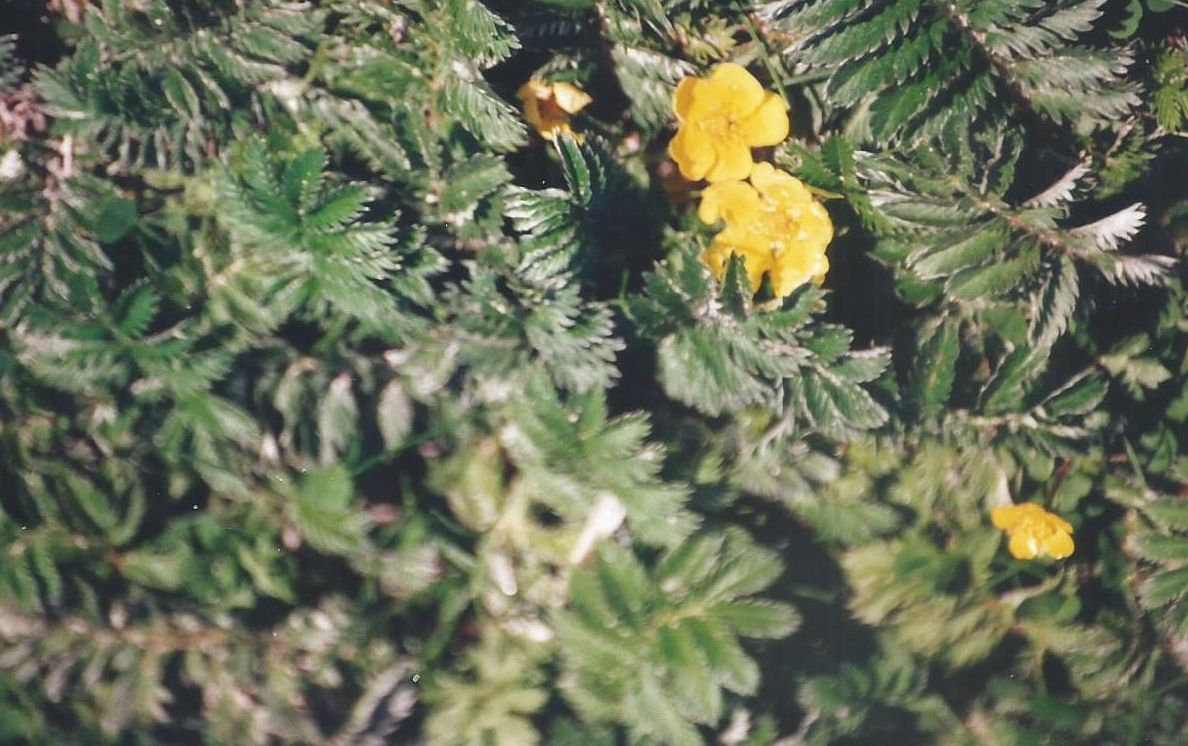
<point>472,180</point>
<point>757,618</point>
<point>322,512</point>
<point>478,110</point>
<point>42,561</point>
<point>1165,587</point>
<point>1162,547</point>
<point>1007,390</point>
<point>180,93</point>
<point>338,208</point>
<point>115,219</point>
<point>1080,398</point>
<point>165,569</point>
<point>137,308</point>
<point>935,366</point>
<point>338,419</point>
<point>1054,303</point>
<point>302,178</point>
<point>695,688</point>
<point>837,407</point>
<point>394,415</point>
<point>1172,514</point>
<point>997,279</point>
<point>737,672</point>
<point>704,368</point>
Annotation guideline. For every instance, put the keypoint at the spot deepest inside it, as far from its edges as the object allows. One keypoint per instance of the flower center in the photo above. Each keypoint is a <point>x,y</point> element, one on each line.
<point>1037,530</point>
<point>720,126</point>
<point>780,224</point>
<point>551,111</point>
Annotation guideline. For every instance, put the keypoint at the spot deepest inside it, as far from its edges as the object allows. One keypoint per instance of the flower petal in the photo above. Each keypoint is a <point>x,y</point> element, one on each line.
<point>1023,545</point>
<point>1059,523</point>
<point>780,186</point>
<point>817,228</point>
<point>819,278</point>
<point>733,88</point>
<point>1006,517</point>
<point>764,176</point>
<point>715,258</point>
<point>570,98</point>
<point>794,267</point>
<point>733,162</point>
<point>693,152</point>
<point>686,93</point>
<point>1060,546</point>
<point>527,95</point>
<point>533,88</point>
<point>752,247</point>
<point>732,201</point>
<point>768,124</point>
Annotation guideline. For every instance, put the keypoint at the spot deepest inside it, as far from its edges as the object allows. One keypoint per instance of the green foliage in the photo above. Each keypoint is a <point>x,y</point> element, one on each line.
<point>53,249</point>
<point>557,227</point>
<point>10,68</point>
<point>912,68</point>
<point>655,650</point>
<point>951,236</point>
<point>871,703</point>
<point>495,706</point>
<point>339,406</point>
<point>717,353</point>
<point>1171,97</point>
<point>1166,548</point>
<point>150,84</point>
<point>308,238</point>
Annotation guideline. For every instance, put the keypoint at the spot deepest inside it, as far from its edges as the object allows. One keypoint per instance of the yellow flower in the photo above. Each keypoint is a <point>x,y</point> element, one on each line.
<point>1033,531</point>
<point>721,118</point>
<point>547,106</point>
<point>774,224</point>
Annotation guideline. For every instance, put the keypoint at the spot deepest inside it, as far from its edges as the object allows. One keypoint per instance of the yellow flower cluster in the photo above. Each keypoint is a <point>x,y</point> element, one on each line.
<point>722,117</point>
<point>547,106</point>
<point>774,224</point>
<point>1033,531</point>
<point>771,219</point>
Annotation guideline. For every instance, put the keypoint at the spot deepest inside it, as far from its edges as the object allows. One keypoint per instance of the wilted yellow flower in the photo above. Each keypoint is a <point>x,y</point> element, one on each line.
<point>722,117</point>
<point>774,224</point>
<point>547,106</point>
<point>1033,531</point>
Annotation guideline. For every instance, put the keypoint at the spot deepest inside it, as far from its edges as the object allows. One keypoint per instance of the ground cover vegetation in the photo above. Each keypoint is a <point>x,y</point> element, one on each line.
<point>593,372</point>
